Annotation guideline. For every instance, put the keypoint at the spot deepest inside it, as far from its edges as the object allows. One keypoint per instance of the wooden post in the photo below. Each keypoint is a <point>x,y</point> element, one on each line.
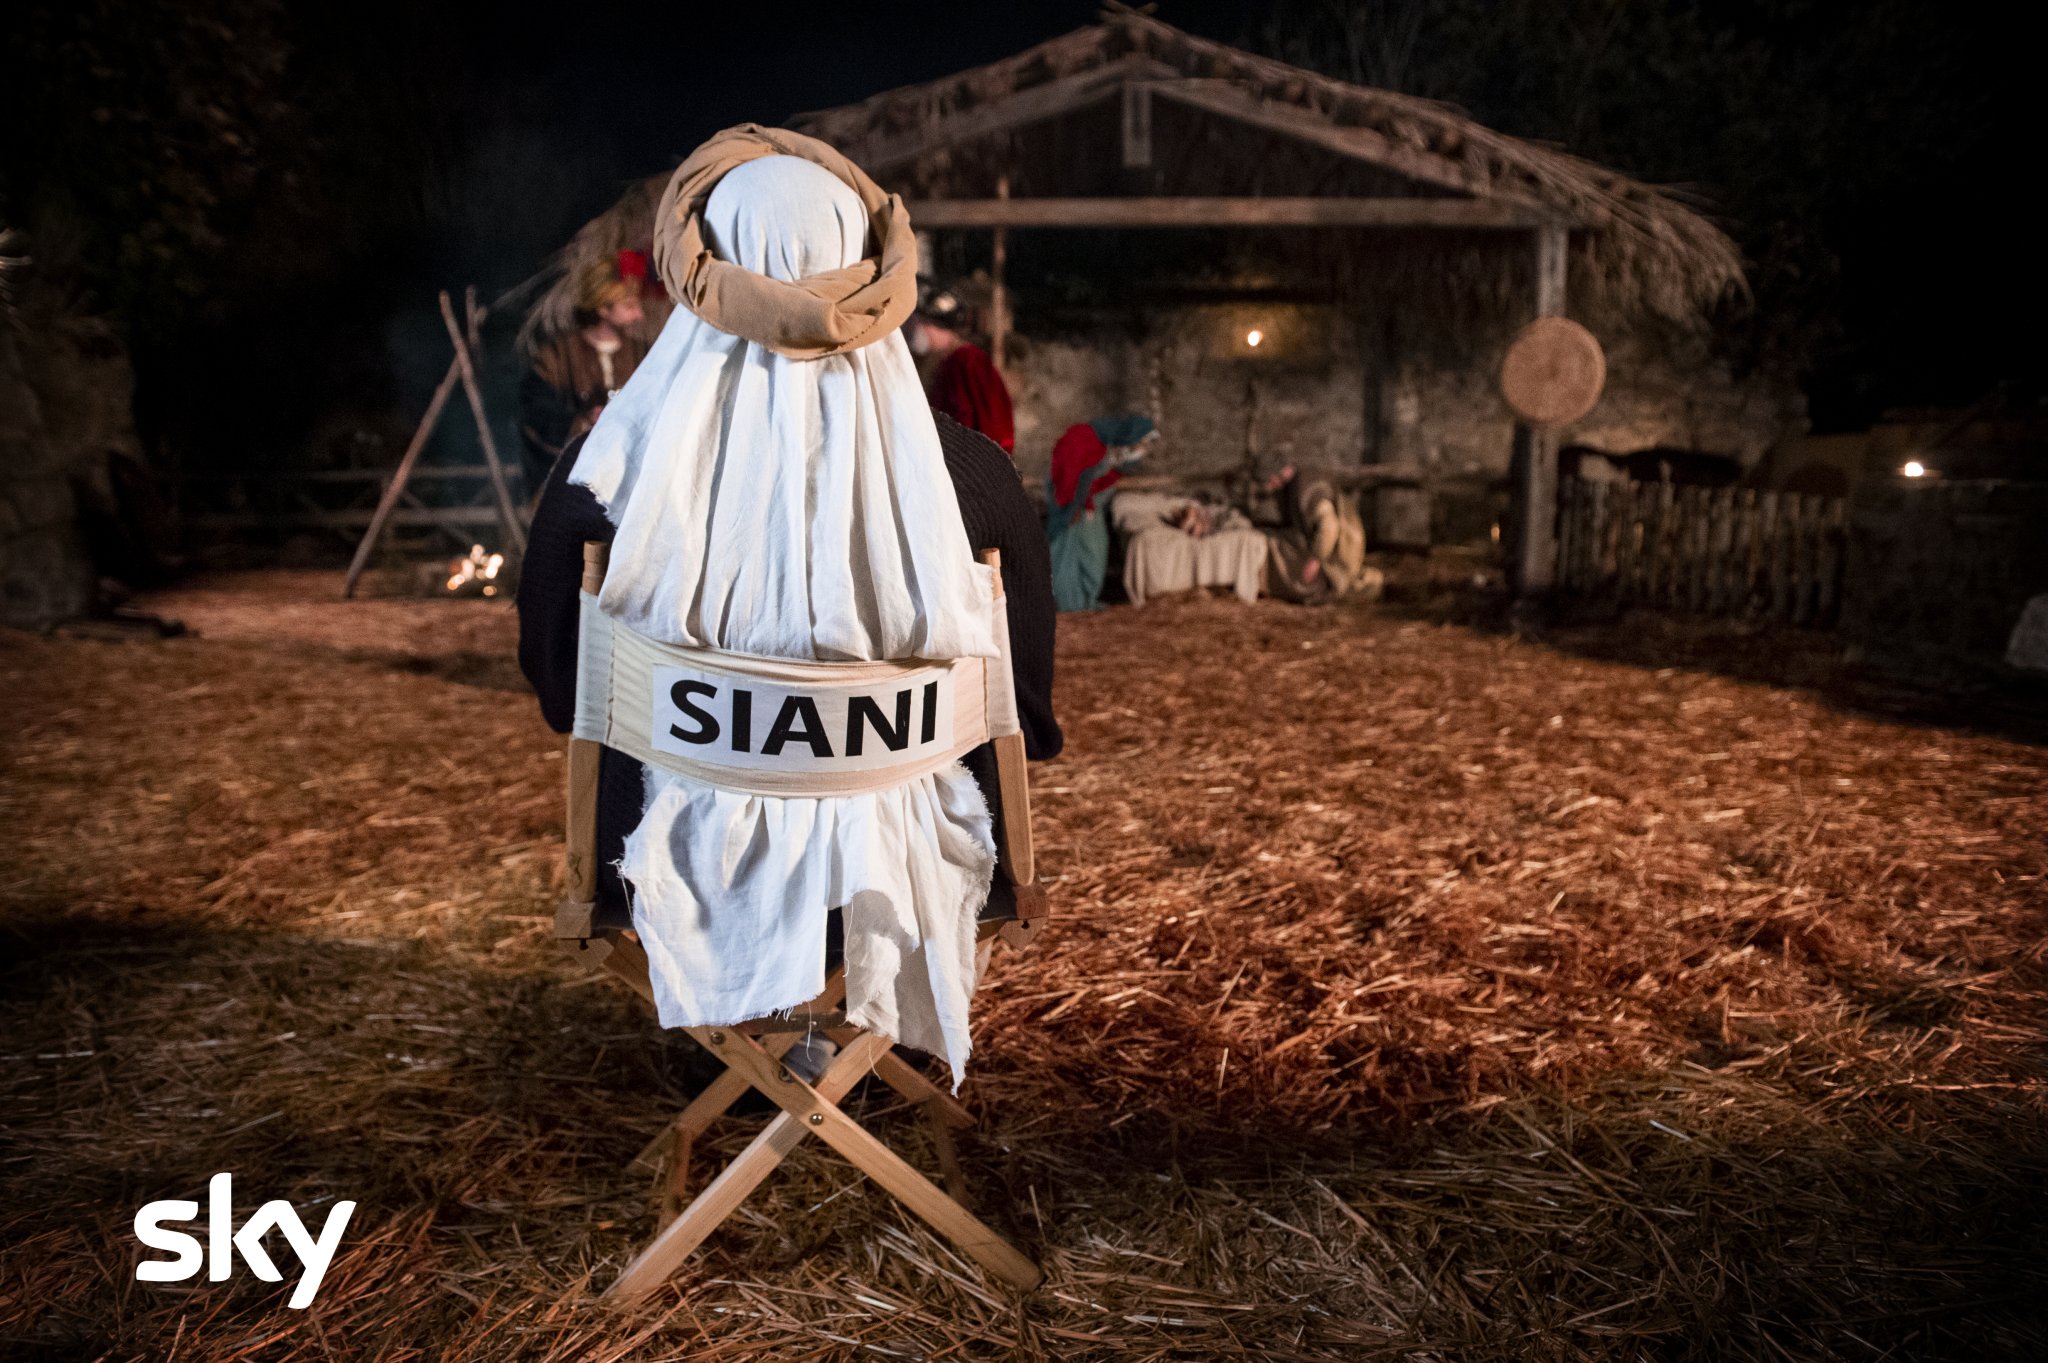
<point>1657,545</point>
<point>1787,530</point>
<point>1696,545</point>
<point>515,533</point>
<point>1137,126</point>
<point>1534,463</point>
<point>1802,545</point>
<point>1834,529</point>
<point>1765,603</point>
<point>396,487</point>
<point>999,295</point>
<point>1627,540</point>
<point>1743,595</point>
<point>1565,578</point>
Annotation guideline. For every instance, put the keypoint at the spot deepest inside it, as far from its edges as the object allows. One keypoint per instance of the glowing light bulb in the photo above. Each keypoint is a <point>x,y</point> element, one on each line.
<point>1253,337</point>
<point>1914,469</point>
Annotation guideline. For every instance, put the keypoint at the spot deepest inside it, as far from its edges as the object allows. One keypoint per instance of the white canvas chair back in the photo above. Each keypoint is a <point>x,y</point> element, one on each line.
<point>904,719</point>
<point>879,724</point>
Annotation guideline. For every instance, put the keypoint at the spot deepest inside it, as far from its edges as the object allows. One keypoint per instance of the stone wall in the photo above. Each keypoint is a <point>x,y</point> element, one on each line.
<point>1320,388</point>
<point>1938,573</point>
<point>66,417</point>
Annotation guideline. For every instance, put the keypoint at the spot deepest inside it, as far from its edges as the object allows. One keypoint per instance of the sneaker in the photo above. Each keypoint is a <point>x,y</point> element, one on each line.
<point>808,1058</point>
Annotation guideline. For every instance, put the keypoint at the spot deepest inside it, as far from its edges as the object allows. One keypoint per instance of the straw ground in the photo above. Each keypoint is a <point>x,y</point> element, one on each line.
<point>1414,993</point>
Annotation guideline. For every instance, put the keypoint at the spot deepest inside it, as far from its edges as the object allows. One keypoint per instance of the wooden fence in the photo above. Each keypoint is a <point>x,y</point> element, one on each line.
<point>1714,551</point>
<point>339,502</point>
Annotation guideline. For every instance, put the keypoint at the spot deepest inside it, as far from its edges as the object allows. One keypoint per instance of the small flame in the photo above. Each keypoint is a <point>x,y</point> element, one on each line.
<point>476,566</point>
<point>1253,337</point>
<point>1914,469</point>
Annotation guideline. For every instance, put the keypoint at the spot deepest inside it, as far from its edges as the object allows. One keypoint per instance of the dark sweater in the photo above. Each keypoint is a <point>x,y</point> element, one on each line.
<point>996,514</point>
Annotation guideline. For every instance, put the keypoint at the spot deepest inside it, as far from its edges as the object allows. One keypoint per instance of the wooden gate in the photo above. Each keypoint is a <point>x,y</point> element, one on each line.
<point>1714,551</point>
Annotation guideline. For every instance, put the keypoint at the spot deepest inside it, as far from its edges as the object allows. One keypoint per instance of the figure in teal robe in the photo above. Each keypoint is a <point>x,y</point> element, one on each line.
<point>1088,460</point>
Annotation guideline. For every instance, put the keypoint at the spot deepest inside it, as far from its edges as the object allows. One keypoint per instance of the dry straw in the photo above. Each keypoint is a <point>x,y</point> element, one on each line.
<point>1416,993</point>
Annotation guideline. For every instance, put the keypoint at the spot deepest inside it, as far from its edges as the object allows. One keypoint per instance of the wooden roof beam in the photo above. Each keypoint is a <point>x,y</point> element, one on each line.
<point>1230,101</point>
<point>1035,105</point>
<point>1465,213</point>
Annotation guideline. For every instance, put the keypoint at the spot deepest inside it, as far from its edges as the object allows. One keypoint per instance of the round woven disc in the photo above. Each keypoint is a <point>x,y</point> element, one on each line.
<point>1553,372</point>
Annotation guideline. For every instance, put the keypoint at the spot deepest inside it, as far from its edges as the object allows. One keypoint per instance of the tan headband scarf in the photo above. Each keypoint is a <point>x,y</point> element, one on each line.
<point>810,318</point>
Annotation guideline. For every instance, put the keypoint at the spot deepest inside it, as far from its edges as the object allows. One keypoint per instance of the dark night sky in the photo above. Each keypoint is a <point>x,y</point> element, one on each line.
<point>421,146</point>
<point>614,91</point>
<point>531,117</point>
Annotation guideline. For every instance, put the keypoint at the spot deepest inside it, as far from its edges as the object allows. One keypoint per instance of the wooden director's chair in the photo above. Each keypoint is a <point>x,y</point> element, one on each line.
<point>752,1051</point>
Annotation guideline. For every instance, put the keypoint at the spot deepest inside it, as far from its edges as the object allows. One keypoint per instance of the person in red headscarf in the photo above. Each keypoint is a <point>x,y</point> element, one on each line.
<point>574,374</point>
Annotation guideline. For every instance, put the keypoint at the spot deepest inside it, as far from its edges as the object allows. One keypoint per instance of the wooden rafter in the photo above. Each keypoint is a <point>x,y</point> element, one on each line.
<point>1228,100</point>
<point>1221,212</point>
<point>1035,105</point>
<point>1643,245</point>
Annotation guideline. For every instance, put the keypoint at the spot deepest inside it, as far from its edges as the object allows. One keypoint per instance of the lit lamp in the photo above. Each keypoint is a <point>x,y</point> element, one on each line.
<point>1253,337</point>
<point>1914,469</point>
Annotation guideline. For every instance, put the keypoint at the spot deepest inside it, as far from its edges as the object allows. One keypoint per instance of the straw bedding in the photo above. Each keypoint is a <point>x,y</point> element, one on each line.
<point>1415,992</point>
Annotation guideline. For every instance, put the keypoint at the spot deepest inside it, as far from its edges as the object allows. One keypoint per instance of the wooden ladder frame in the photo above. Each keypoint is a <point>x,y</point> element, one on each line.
<point>752,1052</point>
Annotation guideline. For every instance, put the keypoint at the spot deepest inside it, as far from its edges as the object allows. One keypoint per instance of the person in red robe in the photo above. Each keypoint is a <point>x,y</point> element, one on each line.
<point>963,381</point>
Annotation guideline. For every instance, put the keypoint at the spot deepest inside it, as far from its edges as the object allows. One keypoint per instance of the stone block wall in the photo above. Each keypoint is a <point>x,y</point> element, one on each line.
<point>66,413</point>
<point>1314,390</point>
<point>1939,572</point>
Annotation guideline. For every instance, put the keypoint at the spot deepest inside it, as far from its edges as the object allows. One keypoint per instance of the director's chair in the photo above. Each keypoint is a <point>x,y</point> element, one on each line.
<point>752,1052</point>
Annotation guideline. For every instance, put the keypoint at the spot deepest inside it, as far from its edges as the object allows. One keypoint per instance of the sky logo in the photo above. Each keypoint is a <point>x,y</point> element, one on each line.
<point>223,1241</point>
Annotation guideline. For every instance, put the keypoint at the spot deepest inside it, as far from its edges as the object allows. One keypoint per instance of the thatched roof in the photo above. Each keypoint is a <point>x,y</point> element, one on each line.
<point>1245,124</point>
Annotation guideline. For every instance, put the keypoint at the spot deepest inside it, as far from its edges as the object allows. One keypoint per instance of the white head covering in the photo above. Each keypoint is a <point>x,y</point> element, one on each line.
<point>790,508</point>
<point>795,509</point>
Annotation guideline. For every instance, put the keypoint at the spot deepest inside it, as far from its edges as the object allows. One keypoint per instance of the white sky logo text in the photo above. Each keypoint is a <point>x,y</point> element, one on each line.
<point>223,1241</point>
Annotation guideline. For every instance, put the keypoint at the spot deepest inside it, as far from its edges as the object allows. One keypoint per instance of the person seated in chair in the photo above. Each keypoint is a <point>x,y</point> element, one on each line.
<point>772,483</point>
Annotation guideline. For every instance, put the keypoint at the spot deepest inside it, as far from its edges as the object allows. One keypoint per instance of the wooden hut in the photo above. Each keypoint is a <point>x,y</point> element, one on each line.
<point>1351,264</point>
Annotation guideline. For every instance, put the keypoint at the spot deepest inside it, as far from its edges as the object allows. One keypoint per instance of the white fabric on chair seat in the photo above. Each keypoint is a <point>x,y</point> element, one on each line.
<point>796,509</point>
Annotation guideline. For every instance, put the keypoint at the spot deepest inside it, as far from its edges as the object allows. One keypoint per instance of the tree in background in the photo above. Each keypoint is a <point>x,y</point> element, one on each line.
<point>139,136</point>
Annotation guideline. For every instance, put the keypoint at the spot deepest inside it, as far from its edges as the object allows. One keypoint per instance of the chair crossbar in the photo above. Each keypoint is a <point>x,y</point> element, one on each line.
<point>755,1061</point>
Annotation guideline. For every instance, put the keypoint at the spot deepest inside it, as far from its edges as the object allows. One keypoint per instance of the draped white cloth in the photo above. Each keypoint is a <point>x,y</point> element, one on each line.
<point>796,509</point>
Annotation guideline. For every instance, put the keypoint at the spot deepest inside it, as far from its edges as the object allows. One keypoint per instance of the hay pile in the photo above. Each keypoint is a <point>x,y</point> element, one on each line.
<point>1415,993</point>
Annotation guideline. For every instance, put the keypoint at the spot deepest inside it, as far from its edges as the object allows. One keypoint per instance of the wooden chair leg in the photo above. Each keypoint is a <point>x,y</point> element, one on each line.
<point>899,1074</point>
<point>707,1107</point>
<point>626,959</point>
<point>653,1266</point>
<point>668,1154</point>
<point>806,1110</point>
<point>667,1250</point>
<point>949,1157</point>
<point>876,1160</point>
<point>721,1093</point>
<point>673,1182</point>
